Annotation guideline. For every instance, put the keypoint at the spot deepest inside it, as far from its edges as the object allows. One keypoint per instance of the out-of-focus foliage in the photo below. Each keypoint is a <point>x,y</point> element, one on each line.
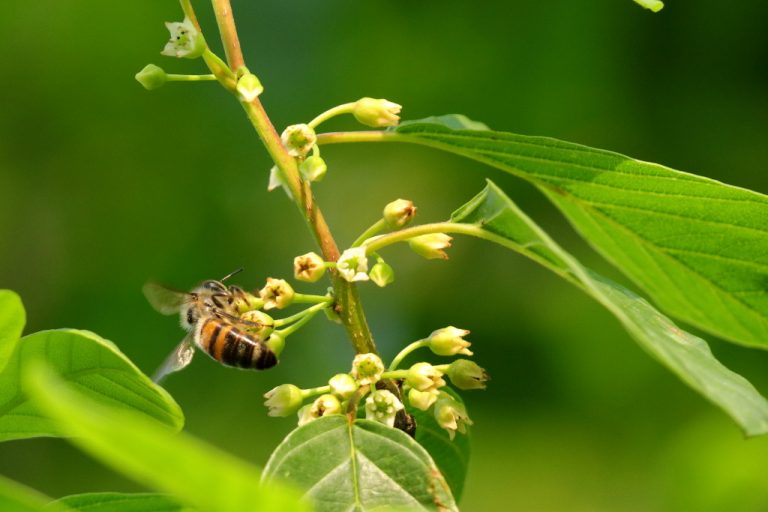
<point>105,185</point>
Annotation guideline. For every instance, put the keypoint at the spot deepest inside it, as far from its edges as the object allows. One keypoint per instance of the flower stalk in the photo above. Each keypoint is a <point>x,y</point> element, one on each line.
<point>348,306</point>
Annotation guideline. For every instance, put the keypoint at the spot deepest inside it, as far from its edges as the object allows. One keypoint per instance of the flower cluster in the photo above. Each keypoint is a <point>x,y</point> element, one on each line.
<point>422,386</point>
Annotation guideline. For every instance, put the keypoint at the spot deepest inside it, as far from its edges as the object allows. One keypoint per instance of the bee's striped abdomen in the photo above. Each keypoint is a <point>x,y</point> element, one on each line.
<point>230,346</point>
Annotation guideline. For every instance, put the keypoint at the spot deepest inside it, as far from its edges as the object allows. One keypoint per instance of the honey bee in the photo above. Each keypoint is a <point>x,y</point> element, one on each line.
<point>210,315</point>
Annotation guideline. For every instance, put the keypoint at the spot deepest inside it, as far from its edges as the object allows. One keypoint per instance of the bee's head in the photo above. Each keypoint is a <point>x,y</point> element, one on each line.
<point>212,286</point>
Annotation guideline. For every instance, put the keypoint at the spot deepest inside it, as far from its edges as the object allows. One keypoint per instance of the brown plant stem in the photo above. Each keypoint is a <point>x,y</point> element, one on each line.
<point>348,305</point>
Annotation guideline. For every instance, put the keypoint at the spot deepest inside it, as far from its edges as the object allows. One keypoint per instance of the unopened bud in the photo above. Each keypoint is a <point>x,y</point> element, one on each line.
<point>431,246</point>
<point>382,274</point>
<point>449,341</point>
<point>276,294</point>
<point>377,113</point>
<point>343,385</point>
<point>399,213</point>
<point>466,374</point>
<point>382,406</point>
<point>258,323</point>
<point>422,399</point>
<point>298,139</point>
<point>367,369</point>
<point>308,267</point>
<point>283,400</point>
<point>185,42</point>
<point>313,168</point>
<point>424,377</point>
<point>249,87</point>
<point>275,343</point>
<point>151,77</point>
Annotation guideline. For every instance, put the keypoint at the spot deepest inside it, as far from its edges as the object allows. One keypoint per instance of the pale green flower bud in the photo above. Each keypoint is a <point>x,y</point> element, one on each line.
<point>466,374</point>
<point>431,246</point>
<point>276,294</point>
<point>283,400</point>
<point>399,213</point>
<point>186,42</point>
<point>258,323</point>
<point>422,399</point>
<point>324,405</point>
<point>367,369</point>
<point>249,87</point>
<point>308,267</point>
<point>343,385</point>
<point>382,406</point>
<point>353,264</point>
<point>313,168</point>
<point>424,377</point>
<point>298,139</point>
<point>382,274</point>
<point>152,77</point>
<point>276,343</point>
<point>449,341</point>
<point>376,113</point>
<point>451,415</point>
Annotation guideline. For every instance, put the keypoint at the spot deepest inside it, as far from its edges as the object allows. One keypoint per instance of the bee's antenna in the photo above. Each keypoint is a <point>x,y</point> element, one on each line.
<point>232,274</point>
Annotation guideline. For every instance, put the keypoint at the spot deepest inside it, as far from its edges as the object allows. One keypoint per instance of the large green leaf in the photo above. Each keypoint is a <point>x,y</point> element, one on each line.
<point>450,455</point>
<point>121,502</point>
<point>698,247</point>
<point>686,355</point>
<point>88,362</point>
<point>361,466</point>
<point>151,453</point>
<point>15,497</point>
<point>12,320</point>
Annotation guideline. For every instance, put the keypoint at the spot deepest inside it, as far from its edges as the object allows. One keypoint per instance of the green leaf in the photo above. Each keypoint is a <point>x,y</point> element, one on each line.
<point>361,466</point>
<point>88,362</point>
<point>698,247</point>
<point>12,320</point>
<point>686,355</point>
<point>452,121</point>
<point>450,456</point>
<point>151,453</point>
<point>15,497</point>
<point>121,502</point>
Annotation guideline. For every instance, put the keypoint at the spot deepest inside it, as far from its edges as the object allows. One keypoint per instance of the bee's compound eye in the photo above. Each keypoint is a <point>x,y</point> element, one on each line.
<point>214,286</point>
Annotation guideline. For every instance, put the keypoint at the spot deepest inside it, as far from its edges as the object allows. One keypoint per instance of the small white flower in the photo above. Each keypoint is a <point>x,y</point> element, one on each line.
<point>186,41</point>
<point>431,246</point>
<point>367,369</point>
<point>277,293</point>
<point>308,267</point>
<point>298,139</point>
<point>382,406</point>
<point>353,264</point>
<point>452,416</point>
<point>343,385</point>
<point>283,400</point>
<point>324,405</point>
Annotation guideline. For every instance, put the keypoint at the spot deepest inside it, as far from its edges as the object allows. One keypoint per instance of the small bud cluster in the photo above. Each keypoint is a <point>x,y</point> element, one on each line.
<point>423,385</point>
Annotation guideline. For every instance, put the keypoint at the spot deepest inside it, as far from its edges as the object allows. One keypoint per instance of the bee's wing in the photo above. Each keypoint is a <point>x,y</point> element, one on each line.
<point>164,300</point>
<point>178,359</point>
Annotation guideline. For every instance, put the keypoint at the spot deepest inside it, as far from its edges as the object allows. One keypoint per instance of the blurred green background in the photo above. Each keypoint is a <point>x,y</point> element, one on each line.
<point>104,185</point>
